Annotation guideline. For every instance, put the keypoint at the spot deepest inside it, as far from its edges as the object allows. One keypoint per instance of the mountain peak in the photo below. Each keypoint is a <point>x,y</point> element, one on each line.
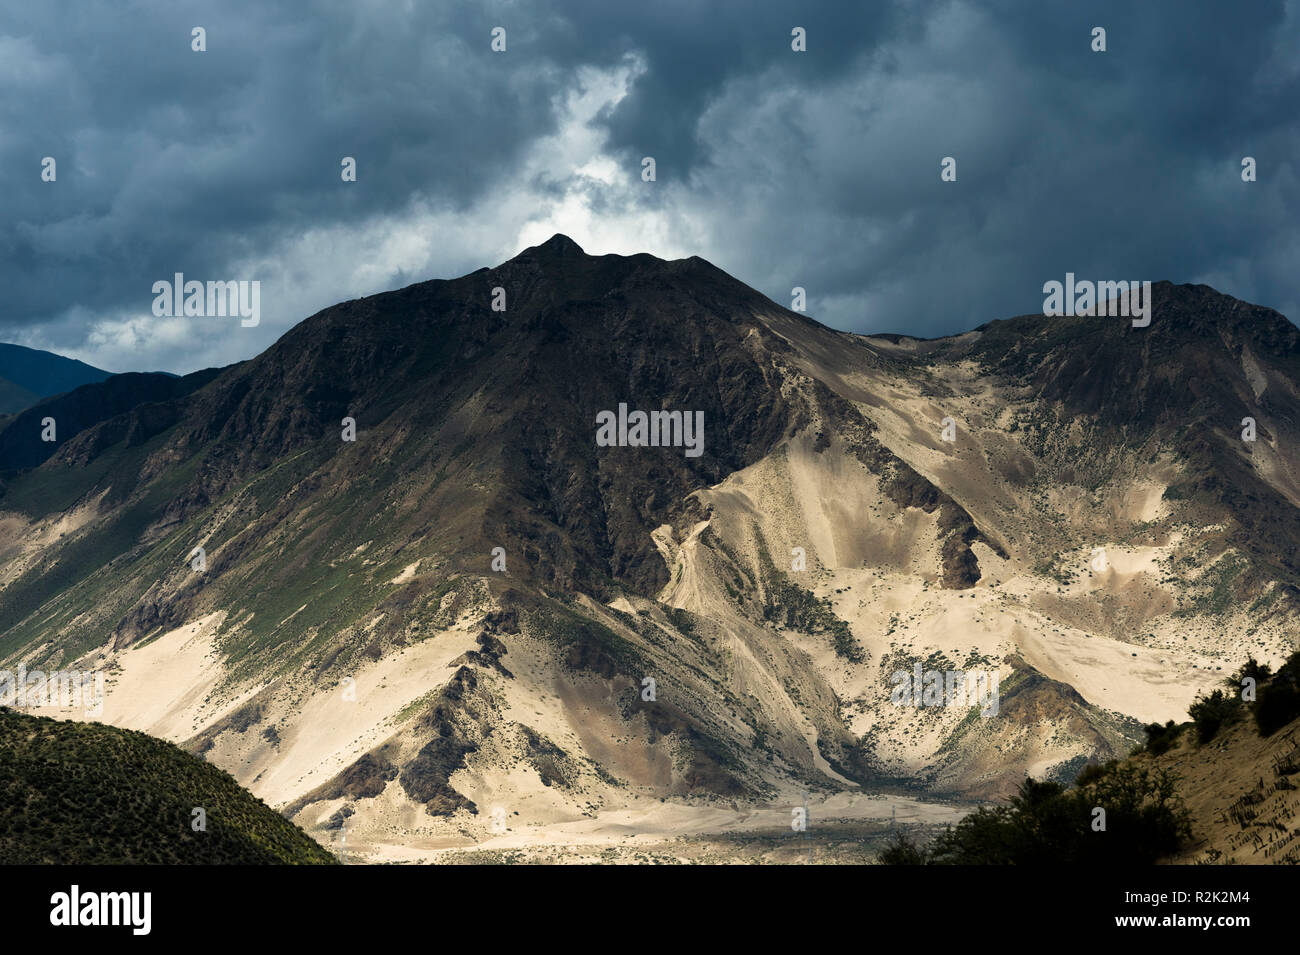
<point>557,246</point>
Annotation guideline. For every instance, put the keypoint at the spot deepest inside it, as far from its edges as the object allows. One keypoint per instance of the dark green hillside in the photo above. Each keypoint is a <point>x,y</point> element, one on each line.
<point>93,794</point>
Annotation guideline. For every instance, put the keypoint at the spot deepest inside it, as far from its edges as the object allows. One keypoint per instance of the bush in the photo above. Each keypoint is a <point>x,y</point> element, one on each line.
<point>1211,712</point>
<point>1278,702</point>
<point>1160,739</point>
<point>901,851</point>
<point>1093,772</point>
<point>1278,705</point>
<point>1253,669</point>
<point>1045,824</point>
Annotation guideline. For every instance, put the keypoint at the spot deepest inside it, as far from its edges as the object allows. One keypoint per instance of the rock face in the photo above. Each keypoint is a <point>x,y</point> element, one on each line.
<point>474,606</point>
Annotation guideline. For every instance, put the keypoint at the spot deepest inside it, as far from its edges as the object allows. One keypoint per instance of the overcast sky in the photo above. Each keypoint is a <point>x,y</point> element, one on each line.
<point>818,169</point>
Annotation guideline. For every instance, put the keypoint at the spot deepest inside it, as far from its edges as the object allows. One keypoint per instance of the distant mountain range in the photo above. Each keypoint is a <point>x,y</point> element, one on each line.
<point>485,623</point>
<point>28,375</point>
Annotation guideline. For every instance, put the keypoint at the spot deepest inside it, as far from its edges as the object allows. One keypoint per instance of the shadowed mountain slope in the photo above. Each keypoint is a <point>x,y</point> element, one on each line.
<point>27,375</point>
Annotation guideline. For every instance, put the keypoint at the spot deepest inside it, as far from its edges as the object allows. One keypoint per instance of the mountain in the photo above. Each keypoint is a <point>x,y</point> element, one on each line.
<point>15,398</point>
<point>27,375</point>
<point>679,642</point>
<point>150,395</point>
<point>89,794</point>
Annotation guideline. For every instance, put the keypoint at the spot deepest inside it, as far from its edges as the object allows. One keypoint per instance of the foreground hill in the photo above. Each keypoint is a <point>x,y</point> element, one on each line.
<point>475,625</point>
<point>1243,795</point>
<point>1221,789</point>
<point>1241,785</point>
<point>86,793</point>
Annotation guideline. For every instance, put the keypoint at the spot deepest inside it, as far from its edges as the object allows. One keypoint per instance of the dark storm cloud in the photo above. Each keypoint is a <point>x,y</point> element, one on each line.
<point>1122,164</point>
<point>818,169</point>
<point>693,49</point>
<point>175,160</point>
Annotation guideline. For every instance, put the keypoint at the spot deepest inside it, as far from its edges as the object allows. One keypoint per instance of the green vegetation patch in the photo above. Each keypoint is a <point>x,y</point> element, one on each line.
<point>90,794</point>
<point>1047,824</point>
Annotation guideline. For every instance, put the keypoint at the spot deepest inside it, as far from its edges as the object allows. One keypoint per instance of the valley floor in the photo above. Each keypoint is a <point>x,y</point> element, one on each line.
<point>845,828</point>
